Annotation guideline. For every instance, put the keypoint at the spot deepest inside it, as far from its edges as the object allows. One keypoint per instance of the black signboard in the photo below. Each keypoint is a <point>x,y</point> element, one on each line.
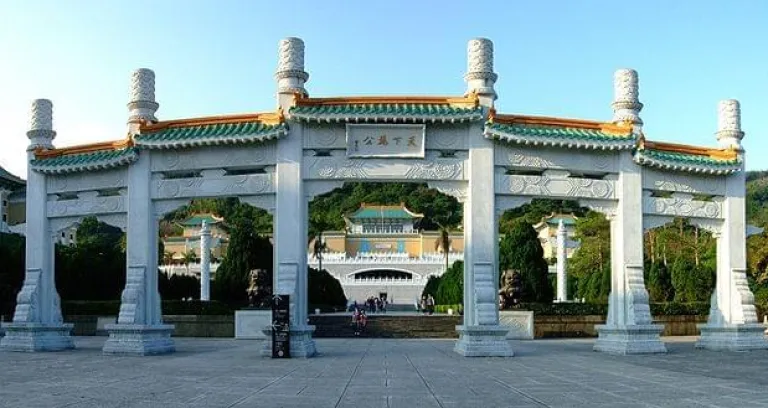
<point>281,338</point>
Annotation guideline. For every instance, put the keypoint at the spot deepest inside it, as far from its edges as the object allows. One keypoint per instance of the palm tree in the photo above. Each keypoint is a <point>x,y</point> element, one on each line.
<point>189,257</point>
<point>318,249</point>
<point>445,242</point>
<point>168,257</point>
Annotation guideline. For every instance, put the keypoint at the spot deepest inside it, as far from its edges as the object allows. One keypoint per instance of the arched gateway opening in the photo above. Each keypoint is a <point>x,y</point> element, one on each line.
<point>461,146</point>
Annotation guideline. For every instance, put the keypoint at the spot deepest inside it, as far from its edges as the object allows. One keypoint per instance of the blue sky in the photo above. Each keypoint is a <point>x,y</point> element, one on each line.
<point>553,58</point>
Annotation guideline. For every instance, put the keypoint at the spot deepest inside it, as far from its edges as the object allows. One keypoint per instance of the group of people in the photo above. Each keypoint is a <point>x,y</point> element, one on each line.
<point>426,305</point>
<point>376,304</point>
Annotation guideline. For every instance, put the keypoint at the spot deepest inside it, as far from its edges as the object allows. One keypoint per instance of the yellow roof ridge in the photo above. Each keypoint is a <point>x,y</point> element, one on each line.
<point>270,118</point>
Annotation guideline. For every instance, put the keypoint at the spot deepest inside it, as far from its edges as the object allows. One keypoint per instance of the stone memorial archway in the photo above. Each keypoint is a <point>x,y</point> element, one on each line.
<point>459,145</point>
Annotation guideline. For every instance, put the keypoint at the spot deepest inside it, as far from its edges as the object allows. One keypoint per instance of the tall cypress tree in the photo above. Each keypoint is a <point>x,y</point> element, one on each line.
<point>521,250</point>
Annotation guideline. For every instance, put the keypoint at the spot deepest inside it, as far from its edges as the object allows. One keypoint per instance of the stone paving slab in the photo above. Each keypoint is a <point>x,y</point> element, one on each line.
<point>384,373</point>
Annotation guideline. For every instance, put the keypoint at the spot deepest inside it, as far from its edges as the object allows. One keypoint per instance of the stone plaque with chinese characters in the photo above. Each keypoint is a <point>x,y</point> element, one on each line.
<point>385,140</point>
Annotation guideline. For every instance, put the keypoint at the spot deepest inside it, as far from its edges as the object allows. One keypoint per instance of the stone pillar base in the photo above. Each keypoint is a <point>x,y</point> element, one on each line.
<point>139,340</point>
<point>637,339</point>
<point>483,341</point>
<point>737,337</point>
<point>302,344</point>
<point>36,337</point>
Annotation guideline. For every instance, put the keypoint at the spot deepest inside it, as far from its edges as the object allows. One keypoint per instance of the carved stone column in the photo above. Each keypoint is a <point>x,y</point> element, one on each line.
<point>732,323</point>
<point>562,259</point>
<point>629,328</point>
<point>140,329</point>
<point>205,262</point>
<point>37,322</point>
<point>290,238</point>
<point>480,77</point>
<point>481,334</point>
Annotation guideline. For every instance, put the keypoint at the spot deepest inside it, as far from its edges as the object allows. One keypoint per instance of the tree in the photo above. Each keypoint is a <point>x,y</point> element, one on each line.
<point>450,290</point>
<point>247,251</point>
<point>521,250</point>
<point>11,270</point>
<point>325,291</point>
<point>591,263</point>
<point>659,282</point>
<point>433,284</point>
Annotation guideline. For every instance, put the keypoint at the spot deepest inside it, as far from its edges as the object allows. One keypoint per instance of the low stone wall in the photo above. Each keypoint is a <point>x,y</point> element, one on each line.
<point>544,326</point>
<point>584,326</point>
<point>202,326</point>
<point>186,325</point>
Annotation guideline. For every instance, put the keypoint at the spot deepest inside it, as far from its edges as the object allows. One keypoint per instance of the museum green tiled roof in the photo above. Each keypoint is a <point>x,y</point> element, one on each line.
<point>372,211</point>
<point>87,160</point>
<point>197,220</point>
<point>559,132</point>
<point>405,109</point>
<point>687,158</point>
<point>212,131</point>
<point>9,181</point>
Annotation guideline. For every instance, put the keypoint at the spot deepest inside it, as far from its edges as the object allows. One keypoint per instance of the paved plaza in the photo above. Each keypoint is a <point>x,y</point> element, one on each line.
<point>375,373</point>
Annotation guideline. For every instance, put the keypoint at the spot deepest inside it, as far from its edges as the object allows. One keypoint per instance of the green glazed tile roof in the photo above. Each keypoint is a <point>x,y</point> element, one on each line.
<point>9,181</point>
<point>688,158</point>
<point>686,162</point>
<point>389,212</point>
<point>211,134</point>
<point>387,111</point>
<point>555,135</point>
<point>86,161</point>
<point>197,220</point>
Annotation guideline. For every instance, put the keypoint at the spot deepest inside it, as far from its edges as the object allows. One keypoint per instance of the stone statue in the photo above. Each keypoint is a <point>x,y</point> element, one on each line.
<point>511,289</point>
<point>258,293</point>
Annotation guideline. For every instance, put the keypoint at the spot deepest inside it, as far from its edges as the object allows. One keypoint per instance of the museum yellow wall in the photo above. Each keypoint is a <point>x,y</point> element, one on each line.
<point>16,213</point>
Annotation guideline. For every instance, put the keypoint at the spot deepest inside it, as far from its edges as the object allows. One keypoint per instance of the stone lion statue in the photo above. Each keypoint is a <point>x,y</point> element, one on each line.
<point>510,289</point>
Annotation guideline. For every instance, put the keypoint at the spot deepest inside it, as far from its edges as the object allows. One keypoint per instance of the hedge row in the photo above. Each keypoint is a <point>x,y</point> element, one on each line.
<point>583,309</point>
<point>170,307</point>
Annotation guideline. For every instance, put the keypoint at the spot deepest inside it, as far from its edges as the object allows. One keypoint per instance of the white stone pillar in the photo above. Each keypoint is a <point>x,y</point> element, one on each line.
<point>562,259</point>
<point>629,328</point>
<point>291,214</point>
<point>205,262</point>
<point>480,77</point>
<point>141,105</point>
<point>140,329</point>
<point>481,335</point>
<point>733,322</point>
<point>626,103</point>
<point>37,322</point>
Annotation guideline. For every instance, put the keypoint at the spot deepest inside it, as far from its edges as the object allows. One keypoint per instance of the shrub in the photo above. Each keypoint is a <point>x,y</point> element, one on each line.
<point>170,307</point>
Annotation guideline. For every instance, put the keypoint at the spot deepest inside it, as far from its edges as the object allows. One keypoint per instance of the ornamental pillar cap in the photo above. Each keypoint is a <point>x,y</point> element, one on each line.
<point>290,64</point>
<point>729,133</point>
<point>141,97</point>
<point>626,97</point>
<point>41,132</point>
<point>480,77</point>
<point>205,229</point>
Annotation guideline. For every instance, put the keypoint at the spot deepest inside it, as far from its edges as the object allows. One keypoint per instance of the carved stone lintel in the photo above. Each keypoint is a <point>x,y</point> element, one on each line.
<point>163,207</point>
<point>682,205</point>
<point>213,186</point>
<point>340,168</point>
<point>315,188</point>
<point>265,202</point>
<point>655,221</point>
<point>607,208</point>
<point>556,186</point>
<point>89,205</point>
<point>710,225</point>
<point>504,203</point>
<point>455,189</point>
